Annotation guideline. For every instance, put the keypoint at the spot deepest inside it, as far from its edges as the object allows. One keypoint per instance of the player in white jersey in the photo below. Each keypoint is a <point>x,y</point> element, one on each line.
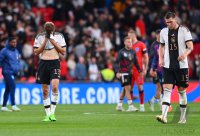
<point>175,45</point>
<point>48,45</point>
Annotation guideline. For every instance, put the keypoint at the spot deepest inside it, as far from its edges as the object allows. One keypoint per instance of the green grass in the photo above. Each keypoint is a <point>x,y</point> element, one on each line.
<point>97,120</point>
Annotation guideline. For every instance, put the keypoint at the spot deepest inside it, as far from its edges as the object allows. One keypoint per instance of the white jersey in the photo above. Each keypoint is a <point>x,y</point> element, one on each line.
<point>58,37</point>
<point>174,42</point>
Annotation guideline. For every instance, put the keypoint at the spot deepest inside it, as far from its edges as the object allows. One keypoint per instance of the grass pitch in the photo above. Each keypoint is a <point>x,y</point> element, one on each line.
<point>97,120</point>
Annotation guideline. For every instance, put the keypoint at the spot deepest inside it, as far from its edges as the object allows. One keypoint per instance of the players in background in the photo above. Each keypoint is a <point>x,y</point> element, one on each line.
<point>123,68</point>
<point>157,73</point>
<point>175,45</point>
<point>10,63</point>
<point>143,60</point>
<point>49,45</point>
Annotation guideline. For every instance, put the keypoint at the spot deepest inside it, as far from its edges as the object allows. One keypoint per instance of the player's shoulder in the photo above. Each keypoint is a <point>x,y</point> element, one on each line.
<point>40,34</point>
<point>184,28</point>
<point>120,51</point>
<point>164,30</point>
<point>59,34</point>
<point>141,44</point>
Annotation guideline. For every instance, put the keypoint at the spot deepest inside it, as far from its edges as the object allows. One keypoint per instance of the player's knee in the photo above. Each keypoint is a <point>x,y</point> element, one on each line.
<point>182,86</point>
<point>55,88</point>
<point>45,94</point>
<point>140,87</point>
<point>168,86</point>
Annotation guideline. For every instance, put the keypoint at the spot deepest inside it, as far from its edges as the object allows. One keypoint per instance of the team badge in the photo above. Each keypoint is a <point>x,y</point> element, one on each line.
<point>137,49</point>
<point>130,57</point>
<point>173,39</point>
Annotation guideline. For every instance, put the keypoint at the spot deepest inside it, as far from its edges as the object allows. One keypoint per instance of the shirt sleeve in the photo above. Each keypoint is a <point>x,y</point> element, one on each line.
<point>2,56</point>
<point>144,48</point>
<point>36,43</point>
<point>187,34</point>
<point>162,41</point>
<point>62,43</point>
<point>116,64</point>
<point>154,62</point>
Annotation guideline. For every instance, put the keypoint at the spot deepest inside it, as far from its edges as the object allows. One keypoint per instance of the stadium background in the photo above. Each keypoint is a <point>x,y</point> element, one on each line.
<point>93,29</point>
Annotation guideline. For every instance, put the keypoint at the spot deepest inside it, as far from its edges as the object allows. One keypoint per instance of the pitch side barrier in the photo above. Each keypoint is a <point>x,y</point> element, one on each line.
<point>90,93</point>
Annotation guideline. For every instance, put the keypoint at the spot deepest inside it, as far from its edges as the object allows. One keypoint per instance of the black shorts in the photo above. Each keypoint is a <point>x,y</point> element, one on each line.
<point>177,77</point>
<point>125,79</point>
<point>48,70</point>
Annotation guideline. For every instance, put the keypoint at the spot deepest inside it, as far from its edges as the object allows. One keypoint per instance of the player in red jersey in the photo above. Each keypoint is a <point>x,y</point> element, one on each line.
<point>143,60</point>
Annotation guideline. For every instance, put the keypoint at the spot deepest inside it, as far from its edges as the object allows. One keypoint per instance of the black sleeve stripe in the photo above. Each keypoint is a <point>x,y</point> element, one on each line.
<point>63,46</point>
<point>162,44</point>
<point>188,40</point>
<point>35,47</point>
<point>143,52</point>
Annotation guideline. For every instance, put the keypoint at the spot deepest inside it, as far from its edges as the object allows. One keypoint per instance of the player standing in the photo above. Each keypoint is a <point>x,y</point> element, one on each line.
<point>175,45</point>
<point>157,73</point>
<point>123,68</point>
<point>48,45</point>
<point>143,60</point>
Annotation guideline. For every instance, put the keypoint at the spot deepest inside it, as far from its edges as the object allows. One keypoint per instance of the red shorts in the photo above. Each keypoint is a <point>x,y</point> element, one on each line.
<point>137,78</point>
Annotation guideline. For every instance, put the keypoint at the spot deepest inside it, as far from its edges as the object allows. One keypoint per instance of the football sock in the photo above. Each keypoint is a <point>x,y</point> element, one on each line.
<point>46,103</point>
<point>120,102</point>
<point>141,94</point>
<point>130,103</point>
<point>166,102</point>
<point>54,102</point>
<point>183,103</point>
<point>153,99</point>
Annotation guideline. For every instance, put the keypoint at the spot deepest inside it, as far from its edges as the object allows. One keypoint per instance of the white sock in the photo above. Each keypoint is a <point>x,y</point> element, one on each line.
<point>153,99</point>
<point>130,102</point>
<point>183,103</point>
<point>166,101</point>
<point>54,102</point>
<point>120,104</point>
<point>47,106</point>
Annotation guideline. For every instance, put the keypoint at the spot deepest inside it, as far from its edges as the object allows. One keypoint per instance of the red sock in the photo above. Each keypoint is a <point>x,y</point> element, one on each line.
<point>141,93</point>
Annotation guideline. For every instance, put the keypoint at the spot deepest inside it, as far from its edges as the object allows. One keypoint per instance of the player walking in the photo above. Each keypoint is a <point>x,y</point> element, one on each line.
<point>175,45</point>
<point>123,67</point>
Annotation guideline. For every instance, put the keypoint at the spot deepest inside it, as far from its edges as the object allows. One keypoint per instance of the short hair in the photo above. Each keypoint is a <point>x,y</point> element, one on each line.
<point>170,15</point>
<point>127,37</point>
<point>11,38</point>
<point>158,31</point>
<point>49,27</point>
<point>132,31</point>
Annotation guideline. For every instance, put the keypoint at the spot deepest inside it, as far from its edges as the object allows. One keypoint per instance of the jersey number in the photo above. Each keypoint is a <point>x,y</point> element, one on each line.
<point>173,47</point>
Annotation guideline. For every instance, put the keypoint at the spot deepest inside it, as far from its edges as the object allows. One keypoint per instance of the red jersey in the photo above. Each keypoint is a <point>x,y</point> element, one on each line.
<point>140,48</point>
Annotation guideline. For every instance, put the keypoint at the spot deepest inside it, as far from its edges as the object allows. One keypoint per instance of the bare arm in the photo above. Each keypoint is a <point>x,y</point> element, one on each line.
<point>58,48</point>
<point>189,49</point>
<point>146,62</point>
<point>37,51</point>
<point>161,55</point>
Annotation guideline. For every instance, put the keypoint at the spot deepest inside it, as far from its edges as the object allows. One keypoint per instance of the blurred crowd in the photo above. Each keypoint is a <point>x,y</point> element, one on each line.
<point>93,30</point>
